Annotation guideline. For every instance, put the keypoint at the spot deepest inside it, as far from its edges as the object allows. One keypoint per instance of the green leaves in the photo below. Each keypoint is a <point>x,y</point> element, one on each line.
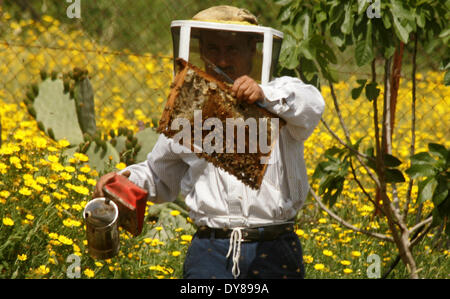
<point>364,47</point>
<point>392,175</point>
<point>435,175</point>
<point>343,24</point>
<point>403,17</point>
<point>445,66</point>
<point>290,54</point>
<point>372,91</point>
<point>332,174</point>
<point>347,25</point>
<point>356,92</point>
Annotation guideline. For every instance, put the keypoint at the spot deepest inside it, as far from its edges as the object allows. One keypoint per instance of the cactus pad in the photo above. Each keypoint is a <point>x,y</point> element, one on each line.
<point>57,112</point>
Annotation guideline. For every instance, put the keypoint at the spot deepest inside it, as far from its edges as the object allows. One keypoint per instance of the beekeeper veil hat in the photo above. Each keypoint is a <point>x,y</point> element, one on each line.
<point>224,18</point>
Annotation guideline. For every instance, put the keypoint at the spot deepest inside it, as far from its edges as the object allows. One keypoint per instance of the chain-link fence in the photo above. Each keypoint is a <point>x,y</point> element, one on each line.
<point>126,47</point>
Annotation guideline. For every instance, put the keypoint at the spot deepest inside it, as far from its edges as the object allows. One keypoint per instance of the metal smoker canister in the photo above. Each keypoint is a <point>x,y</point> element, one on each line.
<point>102,217</point>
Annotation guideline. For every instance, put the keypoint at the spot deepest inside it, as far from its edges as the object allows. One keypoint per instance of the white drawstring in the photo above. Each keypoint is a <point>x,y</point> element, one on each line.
<point>235,246</point>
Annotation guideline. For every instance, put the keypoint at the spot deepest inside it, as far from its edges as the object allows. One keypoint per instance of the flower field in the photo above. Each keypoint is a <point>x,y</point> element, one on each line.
<point>43,191</point>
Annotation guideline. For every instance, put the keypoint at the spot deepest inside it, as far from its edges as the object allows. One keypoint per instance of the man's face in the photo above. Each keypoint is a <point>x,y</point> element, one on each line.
<point>231,52</point>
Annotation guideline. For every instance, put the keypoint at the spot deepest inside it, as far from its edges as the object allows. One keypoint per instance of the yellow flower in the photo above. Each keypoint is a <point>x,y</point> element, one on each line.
<point>63,143</point>
<point>327,252</point>
<point>345,262</point>
<point>308,259</point>
<point>299,232</point>
<point>322,220</point>
<point>8,221</point>
<point>69,169</point>
<point>53,158</point>
<point>46,198</point>
<point>187,238</point>
<point>53,236</point>
<point>121,166</point>
<point>65,240</point>
<point>70,222</point>
<point>347,271</point>
<point>81,177</point>
<point>176,253</point>
<point>22,257</point>
<point>319,267</point>
<point>89,273</point>
<point>81,190</point>
<point>81,157</point>
<point>162,269</point>
<point>175,213</point>
<point>356,253</point>
<point>42,180</point>
<point>5,194</point>
<point>14,160</point>
<point>57,167</point>
<point>77,207</point>
<point>42,270</point>
<point>47,18</point>
<point>29,217</point>
<point>85,168</point>
<point>3,168</point>
<point>37,187</point>
<point>54,242</point>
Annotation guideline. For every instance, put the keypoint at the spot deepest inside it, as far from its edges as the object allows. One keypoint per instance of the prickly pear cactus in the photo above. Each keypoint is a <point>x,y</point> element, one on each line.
<point>84,99</point>
<point>65,109</point>
<point>133,148</point>
<point>146,139</point>
<point>167,221</point>
<point>54,111</point>
<point>102,155</point>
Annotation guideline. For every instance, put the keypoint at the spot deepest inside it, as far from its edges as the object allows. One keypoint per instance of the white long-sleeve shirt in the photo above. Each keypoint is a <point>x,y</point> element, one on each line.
<point>218,199</point>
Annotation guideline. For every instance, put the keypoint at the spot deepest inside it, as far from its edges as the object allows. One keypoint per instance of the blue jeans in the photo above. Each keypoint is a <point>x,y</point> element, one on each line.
<point>280,258</point>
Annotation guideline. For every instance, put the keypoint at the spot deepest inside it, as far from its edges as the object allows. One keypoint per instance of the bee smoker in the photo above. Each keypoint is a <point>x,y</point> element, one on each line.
<point>123,205</point>
<point>102,217</point>
<point>131,201</point>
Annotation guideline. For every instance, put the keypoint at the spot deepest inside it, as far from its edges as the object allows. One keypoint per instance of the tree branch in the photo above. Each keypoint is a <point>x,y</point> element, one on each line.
<point>420,224</point>
<point>364,190</point>
<point>353,150</point>
<point>347,135</point>
<point>346,224</point>
<point>338,112</point>
<point>413,124</point>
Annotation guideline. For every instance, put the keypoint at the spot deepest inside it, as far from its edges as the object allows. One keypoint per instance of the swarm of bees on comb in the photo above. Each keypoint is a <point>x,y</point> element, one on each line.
<point>195,90</point>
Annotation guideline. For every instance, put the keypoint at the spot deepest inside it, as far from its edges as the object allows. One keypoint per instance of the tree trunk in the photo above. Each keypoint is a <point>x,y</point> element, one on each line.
<point>395,82</point>
<point>399,230</point>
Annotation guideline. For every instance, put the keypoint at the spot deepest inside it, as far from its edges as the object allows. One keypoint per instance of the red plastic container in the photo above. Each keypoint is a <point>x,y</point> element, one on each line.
<point>131,201</point>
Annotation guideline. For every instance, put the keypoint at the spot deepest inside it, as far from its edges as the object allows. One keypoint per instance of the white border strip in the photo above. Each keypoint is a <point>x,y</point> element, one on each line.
<point>185,35</point>
<point>226,26</point>
<point>267,57</point>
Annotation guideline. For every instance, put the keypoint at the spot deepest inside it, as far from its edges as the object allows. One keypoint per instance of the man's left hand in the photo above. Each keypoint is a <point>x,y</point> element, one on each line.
<point>247,89</point>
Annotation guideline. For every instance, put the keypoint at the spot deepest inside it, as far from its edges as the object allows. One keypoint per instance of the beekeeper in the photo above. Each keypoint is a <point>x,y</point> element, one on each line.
<point>242,232</point>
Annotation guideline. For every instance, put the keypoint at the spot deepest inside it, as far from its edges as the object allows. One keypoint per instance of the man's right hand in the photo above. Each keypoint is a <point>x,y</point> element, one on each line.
<point>98,190</point>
